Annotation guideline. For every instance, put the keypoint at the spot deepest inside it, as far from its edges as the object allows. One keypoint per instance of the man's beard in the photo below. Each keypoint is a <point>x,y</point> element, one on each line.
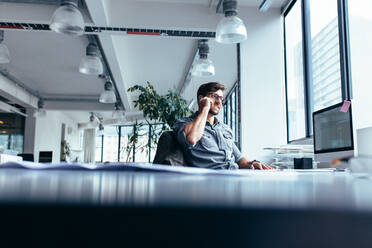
<point>213,112</point>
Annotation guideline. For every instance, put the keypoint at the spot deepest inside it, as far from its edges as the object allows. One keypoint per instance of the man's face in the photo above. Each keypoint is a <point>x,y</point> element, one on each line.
<point>216,101</point>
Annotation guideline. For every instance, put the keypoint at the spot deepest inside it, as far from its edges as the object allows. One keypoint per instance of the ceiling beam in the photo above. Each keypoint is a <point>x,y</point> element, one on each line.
<point>97,12</point>
<point>188,76</point>
<point>76,104</point>
<point>14,92</point>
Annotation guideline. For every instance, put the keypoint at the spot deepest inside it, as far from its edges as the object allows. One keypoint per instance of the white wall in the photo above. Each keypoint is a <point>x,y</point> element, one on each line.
<point>361,53</point>
<point>262,83</point>
<point>48,131</point>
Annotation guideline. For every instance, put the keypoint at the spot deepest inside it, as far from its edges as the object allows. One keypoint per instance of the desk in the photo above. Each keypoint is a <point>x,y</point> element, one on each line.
<point>324,209</point>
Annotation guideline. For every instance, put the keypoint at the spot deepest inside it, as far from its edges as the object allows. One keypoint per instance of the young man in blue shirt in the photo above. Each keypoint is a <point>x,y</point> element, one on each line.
<point>206,142</point>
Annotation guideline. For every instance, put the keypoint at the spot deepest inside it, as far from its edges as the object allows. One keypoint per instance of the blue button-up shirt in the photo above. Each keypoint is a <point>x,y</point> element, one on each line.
<point>215,150</point>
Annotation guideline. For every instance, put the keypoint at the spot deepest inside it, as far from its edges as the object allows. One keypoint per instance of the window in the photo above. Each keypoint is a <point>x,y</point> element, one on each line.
<point>314,60</point>
<point>294,73</point>
<point>231,112</point>
<point>111,144</point>
<point>142,149</point>
<point>126,153</point>
<point>115,143</point>
<point>325,54</point>
<point>99,149</point>
<point>12,127</point>
<point>156,131</point>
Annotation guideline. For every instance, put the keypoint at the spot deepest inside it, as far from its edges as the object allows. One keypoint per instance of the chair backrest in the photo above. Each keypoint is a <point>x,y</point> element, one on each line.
<point>169,151</point>
<point>27,156</point>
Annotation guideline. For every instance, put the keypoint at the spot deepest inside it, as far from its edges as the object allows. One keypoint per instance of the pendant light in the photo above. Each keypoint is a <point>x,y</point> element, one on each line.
<point>67,19</point>
<point>108,95</point>
<point>118,114</point>
<point>101,130</point>
<point>4,51</point>
<point>40,112</point>
<point>231,28</point>
<point>203,66</point>
<point>91,64</point>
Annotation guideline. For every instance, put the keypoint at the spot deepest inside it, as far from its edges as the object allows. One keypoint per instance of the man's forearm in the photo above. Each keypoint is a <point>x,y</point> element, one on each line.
<point>194,130</point>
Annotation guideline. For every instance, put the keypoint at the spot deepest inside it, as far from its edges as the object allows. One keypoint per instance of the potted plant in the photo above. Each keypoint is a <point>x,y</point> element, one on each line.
<point>166,109</point>
<point>65,151</point>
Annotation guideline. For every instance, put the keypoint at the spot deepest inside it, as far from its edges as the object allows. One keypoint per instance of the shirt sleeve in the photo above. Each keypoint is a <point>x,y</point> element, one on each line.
<point>178,129</point>
<point>237,154</point>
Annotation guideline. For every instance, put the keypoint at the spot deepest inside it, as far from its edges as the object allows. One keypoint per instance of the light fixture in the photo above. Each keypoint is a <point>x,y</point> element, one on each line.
<point>40,112</point>
<point>118,114</point>
<point>265,5</point>
<point>108,95</point>
<point>67,19</point>
<point>203,66</point>
<point>1,122</point>
<point>101,129</point>
<point>4,51</point>
<point>91,117</point>
<point>231,28</point>
<point>91,64</point>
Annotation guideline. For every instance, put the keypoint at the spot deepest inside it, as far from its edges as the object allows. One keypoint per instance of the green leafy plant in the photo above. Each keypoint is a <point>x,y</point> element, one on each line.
<point>165,109</point>
<point>66,149</point>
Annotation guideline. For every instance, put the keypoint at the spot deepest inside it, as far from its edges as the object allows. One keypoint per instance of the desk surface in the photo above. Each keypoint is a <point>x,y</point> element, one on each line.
<point>149,209</point>
<point>307,190</point>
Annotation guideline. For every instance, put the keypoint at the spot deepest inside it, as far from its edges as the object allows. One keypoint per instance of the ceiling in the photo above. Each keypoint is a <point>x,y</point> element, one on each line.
<point>250,3</point>
<point>47,63</point>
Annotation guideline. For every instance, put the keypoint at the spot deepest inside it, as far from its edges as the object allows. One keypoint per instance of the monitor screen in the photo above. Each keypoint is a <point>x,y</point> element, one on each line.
<point>45,156</point>
<point>333,130</point>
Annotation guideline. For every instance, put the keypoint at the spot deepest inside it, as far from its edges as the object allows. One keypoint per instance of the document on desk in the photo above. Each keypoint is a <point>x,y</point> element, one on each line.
<point>143,167</point>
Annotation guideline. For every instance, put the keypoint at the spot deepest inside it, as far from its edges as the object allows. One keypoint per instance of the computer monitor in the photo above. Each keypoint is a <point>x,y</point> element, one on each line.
<point>333,135</point>
<point>45,156</point>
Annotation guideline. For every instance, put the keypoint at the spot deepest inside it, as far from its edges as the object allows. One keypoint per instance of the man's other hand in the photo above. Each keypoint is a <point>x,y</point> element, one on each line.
<point>256,165</point>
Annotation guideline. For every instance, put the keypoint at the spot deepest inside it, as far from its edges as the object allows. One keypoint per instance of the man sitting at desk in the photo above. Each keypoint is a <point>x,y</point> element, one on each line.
<point>206,142</point>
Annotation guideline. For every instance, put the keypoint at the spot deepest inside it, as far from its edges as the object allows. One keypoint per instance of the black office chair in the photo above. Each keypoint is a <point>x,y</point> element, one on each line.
<point>27,156</point>
<point>169,151</point>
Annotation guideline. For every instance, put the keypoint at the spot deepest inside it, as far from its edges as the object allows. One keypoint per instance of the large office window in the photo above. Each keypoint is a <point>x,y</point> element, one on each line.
<point>115,144</point>
<point>99,148</point>
<point>12,127</point>
<point>126,152</point>
<point>294,73</point>
<point>111,143</point>
<point>315,55</point>
<point>325,54</point>
<point>231,112</point>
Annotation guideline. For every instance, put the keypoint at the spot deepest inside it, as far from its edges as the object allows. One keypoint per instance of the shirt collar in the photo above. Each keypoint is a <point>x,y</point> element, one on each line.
<point>216,121</point>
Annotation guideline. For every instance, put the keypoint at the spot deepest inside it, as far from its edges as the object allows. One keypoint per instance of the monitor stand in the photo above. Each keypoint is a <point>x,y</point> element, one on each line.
<point>324,159</point>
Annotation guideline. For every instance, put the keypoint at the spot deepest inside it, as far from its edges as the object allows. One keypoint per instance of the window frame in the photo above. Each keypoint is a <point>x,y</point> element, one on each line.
<point>227,117</point>
<point>149,126</point>
<point>344,50</point>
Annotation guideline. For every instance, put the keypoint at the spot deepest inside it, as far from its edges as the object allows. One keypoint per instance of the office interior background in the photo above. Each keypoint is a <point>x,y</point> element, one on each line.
<point>300,56</point>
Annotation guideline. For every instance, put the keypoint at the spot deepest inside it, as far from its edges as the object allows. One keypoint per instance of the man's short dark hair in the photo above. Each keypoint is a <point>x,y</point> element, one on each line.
<point>204,89</point>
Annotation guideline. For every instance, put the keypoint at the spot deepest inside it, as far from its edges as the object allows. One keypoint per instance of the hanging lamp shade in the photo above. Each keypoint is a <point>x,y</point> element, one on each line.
<point>230,29</point>
<point>203,67</point>
<point>67,19</point>
<point>91,64</point>
<point>108,95</point>
<point>40,112</point>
